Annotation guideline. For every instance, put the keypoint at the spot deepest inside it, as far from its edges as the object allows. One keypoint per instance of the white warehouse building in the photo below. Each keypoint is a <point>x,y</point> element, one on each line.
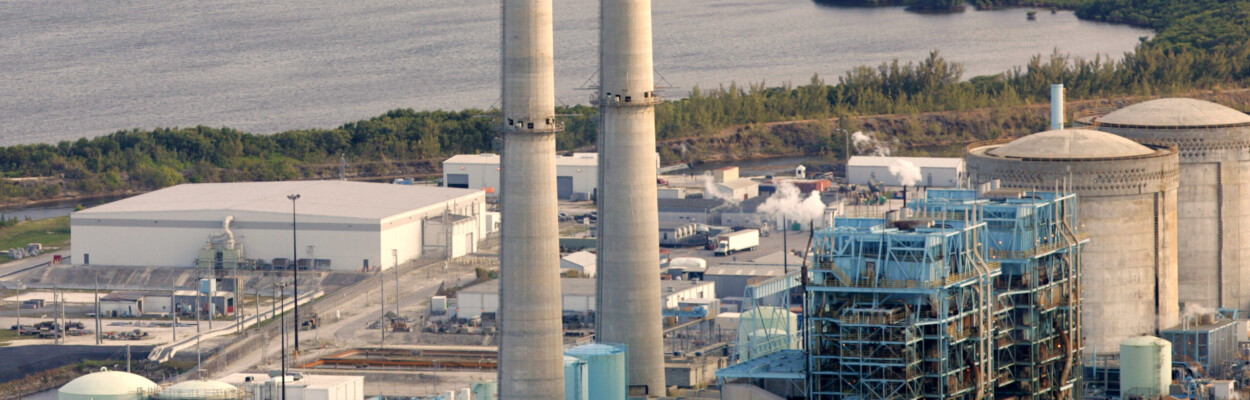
<point>927,171</point>
<point>577,175</point>
<point>346,226</point>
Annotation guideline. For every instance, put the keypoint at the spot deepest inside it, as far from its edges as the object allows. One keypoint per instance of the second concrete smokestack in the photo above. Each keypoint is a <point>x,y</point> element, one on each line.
<point>531,353</point>
<point>629,229</point>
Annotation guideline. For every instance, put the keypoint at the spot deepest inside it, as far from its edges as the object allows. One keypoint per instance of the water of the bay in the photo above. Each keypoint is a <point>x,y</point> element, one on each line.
<point>80,68</point>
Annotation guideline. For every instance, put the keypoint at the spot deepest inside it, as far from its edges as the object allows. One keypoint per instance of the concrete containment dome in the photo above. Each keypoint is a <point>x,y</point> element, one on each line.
<point>1071,144</point>
<point>1174,112</point>
<point>1127,196</point>
<point>107,385</point>
<point>1213,142</point>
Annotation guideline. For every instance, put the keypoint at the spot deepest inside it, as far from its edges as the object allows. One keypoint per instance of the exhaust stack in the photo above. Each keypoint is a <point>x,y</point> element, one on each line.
<point>629,272</point>
<point>1056,106</point>
<point>531,353</point>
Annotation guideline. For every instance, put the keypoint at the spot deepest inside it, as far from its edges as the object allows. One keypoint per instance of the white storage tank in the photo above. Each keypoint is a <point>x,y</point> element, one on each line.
<point>108,385</point>
<point>484,390</point>
<point>576,379</point>
<point>605,367</point>
<point>1145,367</point>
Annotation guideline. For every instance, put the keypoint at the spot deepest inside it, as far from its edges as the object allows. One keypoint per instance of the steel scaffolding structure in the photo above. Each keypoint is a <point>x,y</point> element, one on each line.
<point>960,296</point>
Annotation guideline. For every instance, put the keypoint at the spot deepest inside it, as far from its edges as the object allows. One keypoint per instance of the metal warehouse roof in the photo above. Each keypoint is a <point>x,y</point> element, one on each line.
<point>1071,144</point>
<point>1176,112</point>
<point>323,198</point>
<point>740,183</point>
<point>577,159</point>
<point>923,162</point>
<point>582,286</point>
<point>689,205</point>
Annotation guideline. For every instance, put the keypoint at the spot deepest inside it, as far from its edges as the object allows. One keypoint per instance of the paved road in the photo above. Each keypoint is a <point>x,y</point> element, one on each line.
<point>17,266</point>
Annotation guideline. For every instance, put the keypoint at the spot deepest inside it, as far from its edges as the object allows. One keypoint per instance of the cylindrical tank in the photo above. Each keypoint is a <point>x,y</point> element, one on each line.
<point>1126,193</point>
<point>201,390</point>
<point>1214,195</point>
<point>1145,367</point>
<point>108,385</point>
<point>484,390</point>
<point>605,368</point>
<point>576,377</point>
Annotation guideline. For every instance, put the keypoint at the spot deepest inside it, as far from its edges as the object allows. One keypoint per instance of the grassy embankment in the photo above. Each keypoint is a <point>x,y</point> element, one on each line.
<point>51,232</point>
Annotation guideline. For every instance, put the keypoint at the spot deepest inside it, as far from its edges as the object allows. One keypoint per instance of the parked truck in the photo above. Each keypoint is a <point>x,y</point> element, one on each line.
<point>743,240</point>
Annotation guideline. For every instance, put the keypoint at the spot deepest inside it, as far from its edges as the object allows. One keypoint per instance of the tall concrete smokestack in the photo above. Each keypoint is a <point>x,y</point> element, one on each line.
<point>531,353</point>
<point>629,232</point>
<point>1056,106</point>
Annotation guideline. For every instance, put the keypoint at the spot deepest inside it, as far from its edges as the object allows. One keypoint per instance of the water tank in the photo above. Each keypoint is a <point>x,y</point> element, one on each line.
<point>1214,218</point>
<point>576,379</point>
<point>201,390</point>
<point>484,390</point>
<point>1145,367</point>
<point>1127,205</point>
<point>605,367</point>
<point>108,385</point>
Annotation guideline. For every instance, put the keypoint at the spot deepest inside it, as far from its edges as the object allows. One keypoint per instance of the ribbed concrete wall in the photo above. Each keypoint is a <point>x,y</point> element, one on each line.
<point>1214,214</point>
<point>1129,208</point>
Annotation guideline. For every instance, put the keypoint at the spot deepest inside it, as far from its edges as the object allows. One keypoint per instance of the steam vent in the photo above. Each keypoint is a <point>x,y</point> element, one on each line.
<point>1127,195</point>
<point>1214,195</point>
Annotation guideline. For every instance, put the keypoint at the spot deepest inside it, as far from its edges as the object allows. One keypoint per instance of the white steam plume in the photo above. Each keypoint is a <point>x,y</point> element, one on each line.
<point>867,144</point>
<point>788,202</point>
<point>710,192</point>
<point>908,174</point>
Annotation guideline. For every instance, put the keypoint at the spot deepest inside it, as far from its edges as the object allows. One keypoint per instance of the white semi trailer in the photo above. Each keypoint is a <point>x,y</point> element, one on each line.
<point>743,240</point>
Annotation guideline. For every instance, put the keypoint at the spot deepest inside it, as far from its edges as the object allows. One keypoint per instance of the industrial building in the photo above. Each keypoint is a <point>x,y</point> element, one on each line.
<point>583,262</point>
<point>341,225</point>
<point>701,211</point>
<point>575,175</point>
<point>963,296</point>
<point>1208,341</point>
<point>1213,224</point>
<point>740,189</point>
<point>1128,207</point>
<point>577,296</point>
<point>299,386</point>
<point>889,171</point>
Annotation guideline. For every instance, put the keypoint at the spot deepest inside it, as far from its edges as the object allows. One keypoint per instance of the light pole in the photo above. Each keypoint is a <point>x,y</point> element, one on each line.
<point>295,267</point>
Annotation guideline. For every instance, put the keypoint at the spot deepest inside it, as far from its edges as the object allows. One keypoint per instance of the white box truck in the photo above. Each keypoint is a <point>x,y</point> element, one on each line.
<point>743,240</point>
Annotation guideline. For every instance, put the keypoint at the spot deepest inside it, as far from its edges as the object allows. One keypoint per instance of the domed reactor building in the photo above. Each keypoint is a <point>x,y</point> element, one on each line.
<point>1214,195</point>
<point>1127,196</point>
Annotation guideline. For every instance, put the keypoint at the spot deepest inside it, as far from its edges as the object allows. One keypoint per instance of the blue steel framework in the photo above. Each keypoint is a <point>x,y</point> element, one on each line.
<point>961,298</point>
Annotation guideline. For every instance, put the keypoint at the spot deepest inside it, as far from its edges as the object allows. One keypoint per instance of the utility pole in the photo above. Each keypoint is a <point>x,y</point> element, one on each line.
<point>283,322</point>
<point>128,357</point>
<point>97,310</point>
<point>19,308</point>
<point>173,310</point>
<point>295,267</point>
<point>395,255</point>
<point>198,372</point>
<point>382,296</point>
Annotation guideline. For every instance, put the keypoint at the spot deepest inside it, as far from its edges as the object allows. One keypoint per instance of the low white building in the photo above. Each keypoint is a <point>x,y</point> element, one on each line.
<point>584,262</point>
<point>926,171</point>
<point>577,295</point>
<point>577,175</point>
<point>740,189</point>
<point>299,386</point>
<point>342,225</point>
